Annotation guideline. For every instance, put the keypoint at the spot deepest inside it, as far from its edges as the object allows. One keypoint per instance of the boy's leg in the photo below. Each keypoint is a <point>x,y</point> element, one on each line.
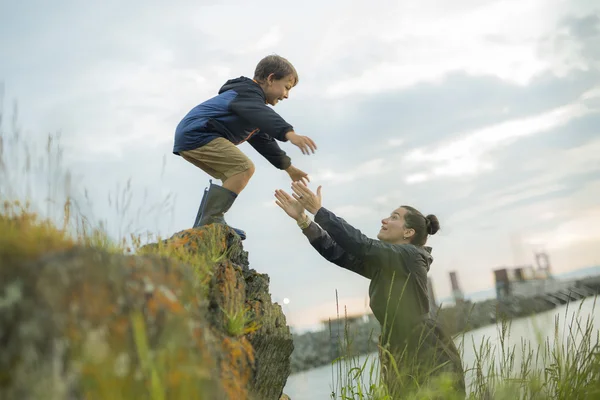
<point>238,182</point>
<point>192,157</point>
<point>222,160</point>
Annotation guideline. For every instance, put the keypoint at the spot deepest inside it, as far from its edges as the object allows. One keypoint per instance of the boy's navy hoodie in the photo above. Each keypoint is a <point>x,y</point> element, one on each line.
<point>238,113</point>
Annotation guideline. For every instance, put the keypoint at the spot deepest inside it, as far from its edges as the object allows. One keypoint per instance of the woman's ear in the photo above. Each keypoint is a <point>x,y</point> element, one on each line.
<point>408,233</point>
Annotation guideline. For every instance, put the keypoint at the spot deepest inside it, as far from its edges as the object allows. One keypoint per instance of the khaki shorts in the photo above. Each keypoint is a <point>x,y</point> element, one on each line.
<point>219,158</point>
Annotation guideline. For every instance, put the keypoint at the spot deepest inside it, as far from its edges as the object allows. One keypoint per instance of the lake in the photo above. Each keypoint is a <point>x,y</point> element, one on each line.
<point>318,383</point>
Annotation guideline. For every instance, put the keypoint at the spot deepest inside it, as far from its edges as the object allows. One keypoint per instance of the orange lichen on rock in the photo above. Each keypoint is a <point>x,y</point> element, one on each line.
<point>160,299</point>
<point>140,326</point>
<point>237,365</point>
<point>228,291</point>
<point>94,301</point>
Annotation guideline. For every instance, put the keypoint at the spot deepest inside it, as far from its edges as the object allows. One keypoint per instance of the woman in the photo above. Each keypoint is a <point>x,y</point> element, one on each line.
<point>397,266</point>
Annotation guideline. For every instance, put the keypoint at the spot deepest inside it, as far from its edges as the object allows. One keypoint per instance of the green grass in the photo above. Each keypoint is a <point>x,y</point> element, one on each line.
<point>157,392</point>
<point>42,211</point>
<point>564,366</point>
<point>239,322</point>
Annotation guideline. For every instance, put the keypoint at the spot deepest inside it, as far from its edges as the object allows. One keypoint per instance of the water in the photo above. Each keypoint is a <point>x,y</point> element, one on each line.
<point>318,383</point>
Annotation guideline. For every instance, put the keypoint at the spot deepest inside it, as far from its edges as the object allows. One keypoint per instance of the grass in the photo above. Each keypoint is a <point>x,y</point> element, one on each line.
<point>157,392</point>
<point>239,322</point>
<point>41,211</point>
<point>565,365</point>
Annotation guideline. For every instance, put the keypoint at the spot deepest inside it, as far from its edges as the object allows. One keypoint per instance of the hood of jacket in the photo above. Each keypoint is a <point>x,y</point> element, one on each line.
<point>426,251</point>
<point>241,83</point>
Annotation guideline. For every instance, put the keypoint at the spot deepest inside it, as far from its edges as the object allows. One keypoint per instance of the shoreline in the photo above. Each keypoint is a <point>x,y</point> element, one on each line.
<point>352,337</point>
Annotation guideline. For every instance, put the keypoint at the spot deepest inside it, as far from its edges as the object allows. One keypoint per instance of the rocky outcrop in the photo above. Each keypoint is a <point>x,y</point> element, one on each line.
<point>182,318</point>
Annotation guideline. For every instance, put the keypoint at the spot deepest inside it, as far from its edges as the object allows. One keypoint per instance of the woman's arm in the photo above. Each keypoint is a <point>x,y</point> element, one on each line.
<point>372,252</point>
<point>332,252</point>
<point>318,238</point>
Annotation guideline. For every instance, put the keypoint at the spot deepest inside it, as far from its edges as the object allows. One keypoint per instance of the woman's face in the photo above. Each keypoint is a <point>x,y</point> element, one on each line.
<point>393,229</point>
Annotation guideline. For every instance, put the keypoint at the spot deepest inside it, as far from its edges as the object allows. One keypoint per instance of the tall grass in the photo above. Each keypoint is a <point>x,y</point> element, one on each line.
<point>351,377</point>
<point>42,209</point>
<point>35,179</point>
<point>564,365</point>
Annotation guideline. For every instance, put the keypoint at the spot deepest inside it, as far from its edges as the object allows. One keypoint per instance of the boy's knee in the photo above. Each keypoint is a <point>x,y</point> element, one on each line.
<point>245,174</point>
<point>251,169</point>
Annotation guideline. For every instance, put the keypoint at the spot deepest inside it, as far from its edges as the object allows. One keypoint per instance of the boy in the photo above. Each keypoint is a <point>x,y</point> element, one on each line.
<point>208,135</point>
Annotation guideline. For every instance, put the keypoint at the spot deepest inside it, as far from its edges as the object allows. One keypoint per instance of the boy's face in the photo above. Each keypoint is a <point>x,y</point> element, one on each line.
<point>278,89</point>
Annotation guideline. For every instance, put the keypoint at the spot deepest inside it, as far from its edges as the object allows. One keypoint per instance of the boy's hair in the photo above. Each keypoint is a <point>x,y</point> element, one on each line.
<point>276,65</point>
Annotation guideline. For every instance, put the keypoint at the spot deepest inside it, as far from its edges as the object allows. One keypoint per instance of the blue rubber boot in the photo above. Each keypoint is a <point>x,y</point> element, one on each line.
<point>215,203</point>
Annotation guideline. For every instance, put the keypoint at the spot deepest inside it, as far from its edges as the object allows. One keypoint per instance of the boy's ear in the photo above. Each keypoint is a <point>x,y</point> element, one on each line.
<point>270,78</point>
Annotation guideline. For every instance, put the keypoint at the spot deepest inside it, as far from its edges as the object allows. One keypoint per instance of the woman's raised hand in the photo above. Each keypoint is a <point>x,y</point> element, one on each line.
<point>288,204</point>
<point>310,201</point>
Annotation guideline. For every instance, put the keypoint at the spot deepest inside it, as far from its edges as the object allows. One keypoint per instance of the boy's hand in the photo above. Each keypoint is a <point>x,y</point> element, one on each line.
<point>296,174</point>
<point>304,143</point>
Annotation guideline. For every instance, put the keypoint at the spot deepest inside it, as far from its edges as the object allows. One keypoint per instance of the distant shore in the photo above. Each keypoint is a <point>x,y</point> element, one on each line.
<point>358,337</point>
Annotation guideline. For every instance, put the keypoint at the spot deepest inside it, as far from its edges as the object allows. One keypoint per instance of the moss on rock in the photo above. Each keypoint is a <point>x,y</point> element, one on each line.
<point>81,322</point>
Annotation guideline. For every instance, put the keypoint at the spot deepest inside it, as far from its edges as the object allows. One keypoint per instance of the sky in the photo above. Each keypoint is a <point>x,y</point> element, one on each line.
<point>485,113</point>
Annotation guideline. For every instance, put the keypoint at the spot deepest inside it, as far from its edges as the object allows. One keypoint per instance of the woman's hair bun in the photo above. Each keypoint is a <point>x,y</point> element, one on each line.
<point>433,224</point>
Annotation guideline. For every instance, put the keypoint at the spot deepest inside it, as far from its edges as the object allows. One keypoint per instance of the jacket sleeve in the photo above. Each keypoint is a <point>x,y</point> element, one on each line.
<point>268,147</point>
<point>332,252</point>
<point>250,105</point>
<point>373,252</point>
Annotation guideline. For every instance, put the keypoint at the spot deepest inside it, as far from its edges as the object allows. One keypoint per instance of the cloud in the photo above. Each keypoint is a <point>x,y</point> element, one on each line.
<point>367,169</point>
<point>395,142</point>
<point>574,43</point>
<point>353,211</point>
<point>426,49</point>
<point>469,154</point>
<point>579,229</point>
<point>417,178</point>
<point>548,182</point>
<point>494,202</point>
<point>268,41</point>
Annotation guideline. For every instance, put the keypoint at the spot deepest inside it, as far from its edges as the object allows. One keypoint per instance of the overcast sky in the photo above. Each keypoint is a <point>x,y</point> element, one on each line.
<point>485,113</point>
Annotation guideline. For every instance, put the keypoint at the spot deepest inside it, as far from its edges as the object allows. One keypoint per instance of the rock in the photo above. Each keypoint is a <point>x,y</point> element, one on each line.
<point>237,287</point>
<point>272,340</point>
<point>83,322</point>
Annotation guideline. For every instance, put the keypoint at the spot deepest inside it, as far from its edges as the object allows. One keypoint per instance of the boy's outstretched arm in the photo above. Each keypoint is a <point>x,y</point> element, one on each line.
<point>304,143</point>
<point>297,174</point>
<point>269,149</point>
